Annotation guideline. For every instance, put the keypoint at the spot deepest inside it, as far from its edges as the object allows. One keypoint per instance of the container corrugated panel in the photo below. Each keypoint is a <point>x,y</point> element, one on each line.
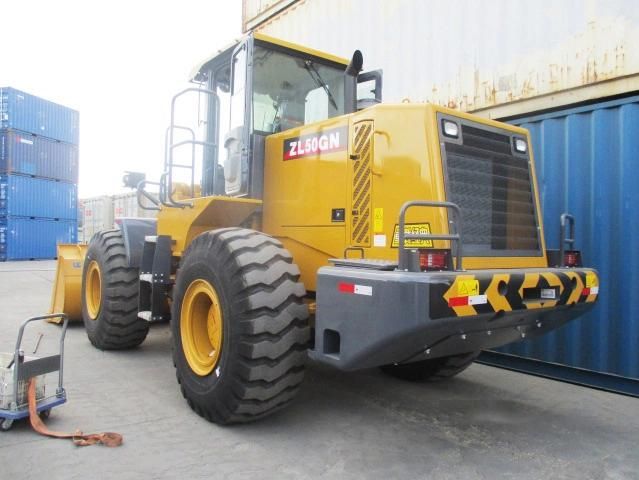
<point>126,205</point>
<point>22,111</point>
<point>587,161</point>
<point>23,196</point>
<point>25,238</point>
<point>97,214</point>
<point>467,54</point>
<point>28,154</point>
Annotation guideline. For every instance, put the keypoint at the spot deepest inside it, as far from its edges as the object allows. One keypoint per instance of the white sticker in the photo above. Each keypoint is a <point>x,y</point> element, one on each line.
<point>548,293</point>
<point>594,290</point>
<point>28,142</point>
<point>477,299</point>
<point>379,240</point>
<point>363,290</point>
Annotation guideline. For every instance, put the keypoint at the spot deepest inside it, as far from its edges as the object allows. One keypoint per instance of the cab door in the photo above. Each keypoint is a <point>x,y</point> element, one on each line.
<point>237,138</point>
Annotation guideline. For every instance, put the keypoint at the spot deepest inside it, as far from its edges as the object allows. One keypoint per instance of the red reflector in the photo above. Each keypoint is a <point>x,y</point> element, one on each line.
<point>457,301</point>
<point>346,287</point>
<point>585,292</point>
<point>433,259</point>
<point>572,258</point>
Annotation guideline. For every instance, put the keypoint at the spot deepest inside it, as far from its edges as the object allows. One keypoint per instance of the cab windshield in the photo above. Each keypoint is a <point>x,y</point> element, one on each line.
<point>291,91</point>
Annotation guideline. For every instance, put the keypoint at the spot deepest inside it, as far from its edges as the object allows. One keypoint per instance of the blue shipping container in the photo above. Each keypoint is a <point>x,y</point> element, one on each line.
<point>22,111</point>
<point>22,196</point>
<point>587,161</point>
<point>24,238</point>
<point>28,154</point>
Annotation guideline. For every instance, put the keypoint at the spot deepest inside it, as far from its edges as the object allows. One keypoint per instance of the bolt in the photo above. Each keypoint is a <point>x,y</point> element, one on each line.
<point>463,337</point>
<point>523,334</point>
<point>538,324</point>
<point>428,351</point>
<point>489,332</point>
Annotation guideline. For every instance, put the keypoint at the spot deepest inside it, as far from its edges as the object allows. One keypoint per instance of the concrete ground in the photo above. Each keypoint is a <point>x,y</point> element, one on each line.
<point>485,423</point>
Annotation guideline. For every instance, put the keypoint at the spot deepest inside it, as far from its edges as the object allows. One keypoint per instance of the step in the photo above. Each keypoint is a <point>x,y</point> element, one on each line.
<point>146,277</point>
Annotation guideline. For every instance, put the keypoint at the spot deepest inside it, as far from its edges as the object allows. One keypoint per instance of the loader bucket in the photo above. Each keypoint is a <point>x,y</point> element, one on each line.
<point>67,289</point>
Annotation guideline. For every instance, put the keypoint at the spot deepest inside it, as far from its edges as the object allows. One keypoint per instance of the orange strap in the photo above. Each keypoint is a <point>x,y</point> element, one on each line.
<point>108,439</point>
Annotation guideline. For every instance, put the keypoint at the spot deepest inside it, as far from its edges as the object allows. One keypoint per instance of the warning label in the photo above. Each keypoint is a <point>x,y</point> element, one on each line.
<point>467,288</point>
<point>413,229</point>
<point>378,220</point>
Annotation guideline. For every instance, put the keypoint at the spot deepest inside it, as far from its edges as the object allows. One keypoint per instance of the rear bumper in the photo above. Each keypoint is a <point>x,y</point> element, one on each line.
<point>367,318</point>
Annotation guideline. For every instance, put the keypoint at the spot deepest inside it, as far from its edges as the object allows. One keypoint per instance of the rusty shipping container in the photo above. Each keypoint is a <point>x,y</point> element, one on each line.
<point>470,55</point>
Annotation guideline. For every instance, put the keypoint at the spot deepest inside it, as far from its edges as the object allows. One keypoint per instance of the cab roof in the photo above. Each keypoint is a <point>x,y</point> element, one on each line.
<point>195,73</point>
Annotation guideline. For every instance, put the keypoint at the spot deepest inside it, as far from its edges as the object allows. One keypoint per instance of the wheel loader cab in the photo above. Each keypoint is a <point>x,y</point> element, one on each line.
<point>283,88</point>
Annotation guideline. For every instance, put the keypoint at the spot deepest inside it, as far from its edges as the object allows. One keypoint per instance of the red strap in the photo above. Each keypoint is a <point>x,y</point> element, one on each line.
<point>108,439</point>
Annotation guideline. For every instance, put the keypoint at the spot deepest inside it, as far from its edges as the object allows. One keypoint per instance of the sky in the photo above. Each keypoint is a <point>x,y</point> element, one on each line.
<point>119,64</point>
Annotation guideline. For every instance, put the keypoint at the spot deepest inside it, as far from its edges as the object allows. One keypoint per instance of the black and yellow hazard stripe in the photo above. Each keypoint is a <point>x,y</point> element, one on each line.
<point>512,291</point>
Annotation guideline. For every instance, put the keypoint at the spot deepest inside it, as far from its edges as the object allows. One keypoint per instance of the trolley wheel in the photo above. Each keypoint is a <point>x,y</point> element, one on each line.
<point>6,424</point>
<point>240,326</point>
<point>110,294</point>
<point>44,414</point>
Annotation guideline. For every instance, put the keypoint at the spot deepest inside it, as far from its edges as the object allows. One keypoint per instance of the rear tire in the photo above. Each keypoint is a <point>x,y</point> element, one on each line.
<point>110,290</point>
<point>248,311</point>
<point>431,370</point>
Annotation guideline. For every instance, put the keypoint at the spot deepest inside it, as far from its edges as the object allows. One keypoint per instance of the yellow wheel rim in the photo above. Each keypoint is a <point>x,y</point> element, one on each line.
<point>201,327</point>
<point>93,290</point>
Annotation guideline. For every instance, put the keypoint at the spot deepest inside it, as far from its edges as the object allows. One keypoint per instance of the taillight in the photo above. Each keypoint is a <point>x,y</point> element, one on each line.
<point>430,260</point>
<point>572,258</point>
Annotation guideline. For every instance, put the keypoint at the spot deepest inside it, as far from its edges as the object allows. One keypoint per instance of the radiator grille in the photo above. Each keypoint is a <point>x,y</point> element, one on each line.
<point>493,188</point>
<point>361,188</point>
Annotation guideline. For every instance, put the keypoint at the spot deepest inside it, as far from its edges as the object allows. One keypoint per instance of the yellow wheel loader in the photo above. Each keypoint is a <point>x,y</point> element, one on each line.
<point>319,222</point>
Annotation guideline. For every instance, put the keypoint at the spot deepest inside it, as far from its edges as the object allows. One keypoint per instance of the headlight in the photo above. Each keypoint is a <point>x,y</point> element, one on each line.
<point>451,129</point>
<point>520,145</point>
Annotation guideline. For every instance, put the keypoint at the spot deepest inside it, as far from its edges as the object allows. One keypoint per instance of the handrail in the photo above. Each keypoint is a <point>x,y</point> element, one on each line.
<point>166,196</point>
<point>18,350</point>
<point>404,260</point>
<point>142,192</point>
<point>563,240</point>
<point>166,141</point>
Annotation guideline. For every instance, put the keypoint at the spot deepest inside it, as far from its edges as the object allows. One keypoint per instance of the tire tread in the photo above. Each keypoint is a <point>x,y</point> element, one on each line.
<point>270,318</point>
<point>117,326</point>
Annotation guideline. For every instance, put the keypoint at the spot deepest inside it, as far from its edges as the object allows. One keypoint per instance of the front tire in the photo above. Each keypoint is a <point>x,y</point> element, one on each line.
<point>110,290</point>
<point>431,370</point>
<point>240,326</point>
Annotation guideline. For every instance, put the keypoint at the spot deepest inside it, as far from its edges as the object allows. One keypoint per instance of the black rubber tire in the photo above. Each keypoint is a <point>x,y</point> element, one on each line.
<point>117,325</point>
<point>44,414</point>
<point>265,325</point>
<point>431,370</point>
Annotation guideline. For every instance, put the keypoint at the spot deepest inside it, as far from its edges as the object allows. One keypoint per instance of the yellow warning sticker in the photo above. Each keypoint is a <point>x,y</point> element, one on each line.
<point>591,280</point>
<point>467,288</point>
<point>413,229</point>
<point>378,220</point>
